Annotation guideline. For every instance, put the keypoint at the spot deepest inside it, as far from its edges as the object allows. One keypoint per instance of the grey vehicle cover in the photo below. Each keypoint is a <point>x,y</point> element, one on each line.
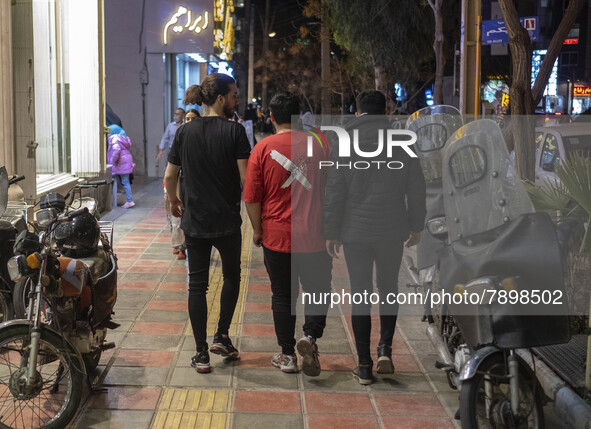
<point>3,190</point>
<point>434,126</point>
<point>493,231</point>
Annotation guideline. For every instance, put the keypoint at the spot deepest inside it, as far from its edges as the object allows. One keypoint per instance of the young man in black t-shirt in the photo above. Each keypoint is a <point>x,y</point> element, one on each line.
<point>212,152</point>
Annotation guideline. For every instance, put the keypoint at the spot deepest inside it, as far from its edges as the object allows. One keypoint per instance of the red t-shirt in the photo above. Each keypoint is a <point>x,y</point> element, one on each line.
<point>290,187</point>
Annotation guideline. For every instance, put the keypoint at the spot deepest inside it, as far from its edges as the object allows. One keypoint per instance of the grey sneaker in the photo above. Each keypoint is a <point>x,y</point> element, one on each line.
<point>363,374</point>
<point>286,363</point>
<point>308,350</point>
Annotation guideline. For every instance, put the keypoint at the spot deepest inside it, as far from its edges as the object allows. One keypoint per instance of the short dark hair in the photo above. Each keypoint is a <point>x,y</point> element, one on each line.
<point>213,85</point>
<point>283,106</point>
<point>195,111</point>
<point>371,102</point>
<point>181,109</point>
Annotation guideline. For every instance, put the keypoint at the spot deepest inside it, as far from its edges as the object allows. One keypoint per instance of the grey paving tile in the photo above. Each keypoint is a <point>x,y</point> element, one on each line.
<point>131,303</point>
<point>267,421</point>
<point>258,279</point>
<point>109,419</point>
<point>423,347</point>
<point>216,362</point>
<point>400,382</point>
<point>157,256</point>
<point>164,316</point>
<point>258,318</point>
<point>254,378</point>
<point>258,297</point>
<point>151,342</point>
<point>189,343</point>
<point>136,376</point>
<point>142,277</point>
<point>258,344</point>
<point>332,345</point>
<point>167,295</point>
<point>333,381</point>
<point>145,231</point>
<point>189,377</point>
<point>175,278</point>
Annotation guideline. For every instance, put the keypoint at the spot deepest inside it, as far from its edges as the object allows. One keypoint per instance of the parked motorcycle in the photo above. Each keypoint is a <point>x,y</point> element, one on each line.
<point>502,269</point>
<point>73,269</point>
<point>13,219</point>
<point>433,127</point>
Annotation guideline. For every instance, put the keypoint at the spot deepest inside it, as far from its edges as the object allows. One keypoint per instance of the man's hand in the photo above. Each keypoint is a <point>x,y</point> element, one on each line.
<point>257,238</point>
<point>176,207</point>
<point>160,153</point>
<point>333,247</point>
<point>413,239</point>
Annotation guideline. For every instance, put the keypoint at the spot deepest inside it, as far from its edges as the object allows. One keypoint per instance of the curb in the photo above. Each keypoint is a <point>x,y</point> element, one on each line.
<point>569,406</point>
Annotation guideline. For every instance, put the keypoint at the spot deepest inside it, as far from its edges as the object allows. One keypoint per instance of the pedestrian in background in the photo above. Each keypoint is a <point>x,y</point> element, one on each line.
<point>212,152</point>
<point>191,114</point>
<point>170,131</point>
<point>372,213</point>
<point>284,195</point>
<point>119,156</point>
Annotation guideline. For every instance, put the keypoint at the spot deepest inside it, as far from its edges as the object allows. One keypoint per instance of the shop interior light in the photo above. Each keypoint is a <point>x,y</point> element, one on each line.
<point>273,34</point>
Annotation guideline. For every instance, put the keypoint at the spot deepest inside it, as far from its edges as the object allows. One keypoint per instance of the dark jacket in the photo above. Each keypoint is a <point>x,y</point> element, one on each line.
<point>375,203</point>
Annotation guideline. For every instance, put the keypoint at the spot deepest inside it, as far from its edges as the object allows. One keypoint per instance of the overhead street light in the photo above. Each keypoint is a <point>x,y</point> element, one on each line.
<point>273,34</point>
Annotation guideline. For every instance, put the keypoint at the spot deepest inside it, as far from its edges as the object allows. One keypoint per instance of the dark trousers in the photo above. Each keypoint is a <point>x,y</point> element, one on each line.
<point>360,258</point>
<point>199,253</point>
<point>286,272</point>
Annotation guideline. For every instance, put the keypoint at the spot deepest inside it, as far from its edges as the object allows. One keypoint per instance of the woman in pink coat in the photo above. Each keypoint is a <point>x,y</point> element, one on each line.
<point>119,156</point>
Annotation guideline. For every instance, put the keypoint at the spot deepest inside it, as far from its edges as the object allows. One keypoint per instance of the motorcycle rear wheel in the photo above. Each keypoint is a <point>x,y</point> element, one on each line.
<point>39,407</point>
<point>472,397</point>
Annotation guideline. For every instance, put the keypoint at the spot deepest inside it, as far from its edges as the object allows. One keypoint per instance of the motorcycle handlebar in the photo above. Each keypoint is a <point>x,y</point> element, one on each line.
<point>76,213</point>
<point>15,179</point>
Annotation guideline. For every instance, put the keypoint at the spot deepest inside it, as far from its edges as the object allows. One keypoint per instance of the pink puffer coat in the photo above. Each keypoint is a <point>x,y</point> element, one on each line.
<point>119,155</point>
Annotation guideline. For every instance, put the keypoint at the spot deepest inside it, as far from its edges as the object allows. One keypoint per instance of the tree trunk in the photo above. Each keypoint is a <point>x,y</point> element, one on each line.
<point>436,5</point>
<point>522,106</point>
<point>380,78</point>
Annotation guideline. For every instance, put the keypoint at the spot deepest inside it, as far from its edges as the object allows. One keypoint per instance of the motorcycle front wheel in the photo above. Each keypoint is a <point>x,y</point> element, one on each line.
<point>53,399</point>
<point>6,307</point>
<point>485,400</point>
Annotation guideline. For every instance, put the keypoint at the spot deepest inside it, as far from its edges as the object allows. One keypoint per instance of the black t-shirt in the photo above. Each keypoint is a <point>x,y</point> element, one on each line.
<point>207,149</point>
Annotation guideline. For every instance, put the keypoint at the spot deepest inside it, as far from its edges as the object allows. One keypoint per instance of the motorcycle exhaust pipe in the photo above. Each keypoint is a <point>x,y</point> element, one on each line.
<point>439,345</point>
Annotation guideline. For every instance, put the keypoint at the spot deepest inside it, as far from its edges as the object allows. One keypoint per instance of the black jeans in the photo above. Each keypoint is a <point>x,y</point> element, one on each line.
<point>286,271</point>
<point>360,258</point>
<point>199,252</point>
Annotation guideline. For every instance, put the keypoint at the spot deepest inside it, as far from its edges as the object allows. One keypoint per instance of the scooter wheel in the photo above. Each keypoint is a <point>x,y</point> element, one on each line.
<point>52,400</point>
<point>493,376</point>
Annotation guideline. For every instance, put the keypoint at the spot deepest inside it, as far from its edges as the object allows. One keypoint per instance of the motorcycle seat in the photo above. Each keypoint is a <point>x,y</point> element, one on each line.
<point>98,264</point>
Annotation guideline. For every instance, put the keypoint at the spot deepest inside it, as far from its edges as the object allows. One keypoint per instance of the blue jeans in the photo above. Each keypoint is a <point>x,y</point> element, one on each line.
<point>126,186</point>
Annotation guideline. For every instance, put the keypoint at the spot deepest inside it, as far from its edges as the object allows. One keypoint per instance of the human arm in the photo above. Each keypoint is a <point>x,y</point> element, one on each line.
<point>171,182</point>
<point>242,163</point>
<point>165,141</point>
<point>334,207</point>
<point>242,152</point>
<point>254,211</point>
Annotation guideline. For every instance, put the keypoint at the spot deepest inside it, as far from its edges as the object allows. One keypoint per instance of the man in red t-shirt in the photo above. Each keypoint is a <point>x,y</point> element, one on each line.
<point>284,195</point>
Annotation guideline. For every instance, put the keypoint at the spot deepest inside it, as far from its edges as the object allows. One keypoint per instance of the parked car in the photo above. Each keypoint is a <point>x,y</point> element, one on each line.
<point>556,143</point>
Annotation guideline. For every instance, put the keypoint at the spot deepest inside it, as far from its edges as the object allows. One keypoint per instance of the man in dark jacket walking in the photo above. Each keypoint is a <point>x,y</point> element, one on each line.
<point>372,212</point>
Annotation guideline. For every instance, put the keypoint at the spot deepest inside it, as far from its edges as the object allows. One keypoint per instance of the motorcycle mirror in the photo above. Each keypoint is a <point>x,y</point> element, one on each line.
<point>3,190</point>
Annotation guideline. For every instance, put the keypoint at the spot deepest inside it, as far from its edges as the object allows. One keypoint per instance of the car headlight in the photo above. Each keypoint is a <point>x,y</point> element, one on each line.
<point>437,226</point>
<point>14,269</point>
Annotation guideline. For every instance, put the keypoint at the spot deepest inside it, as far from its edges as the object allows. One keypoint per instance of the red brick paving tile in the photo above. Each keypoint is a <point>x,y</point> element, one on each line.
<point>416,405</point>
<point>257,307</point>
<point>146,270</point>
<point>137,285</point>
<point>255,360</point>
<point>168,305</point>
<point>258,272</point>
<point>365,421</point>
<point>259,287</point>
<point>254,330</point>
<point>144,358</point>
<point>173,286</point>
<point>267,402</point>
<point>178,270</point>
<point>337,403</point>
<point>152,263</point>
<point>158,328</point>
<point>336,362</point>
<point>124,398</point>
<point>399,422</point>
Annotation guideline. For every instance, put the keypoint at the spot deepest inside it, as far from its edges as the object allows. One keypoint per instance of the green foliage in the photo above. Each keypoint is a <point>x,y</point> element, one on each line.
<point>394,34</point>
<point>571,195</point>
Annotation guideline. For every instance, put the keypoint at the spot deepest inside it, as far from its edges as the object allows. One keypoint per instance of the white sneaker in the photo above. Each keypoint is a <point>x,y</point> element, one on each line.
<point>128,205</point>
<point>285,363</point>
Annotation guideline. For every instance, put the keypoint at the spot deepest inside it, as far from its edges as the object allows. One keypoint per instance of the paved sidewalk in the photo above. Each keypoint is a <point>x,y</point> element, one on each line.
<point>149,382</point>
